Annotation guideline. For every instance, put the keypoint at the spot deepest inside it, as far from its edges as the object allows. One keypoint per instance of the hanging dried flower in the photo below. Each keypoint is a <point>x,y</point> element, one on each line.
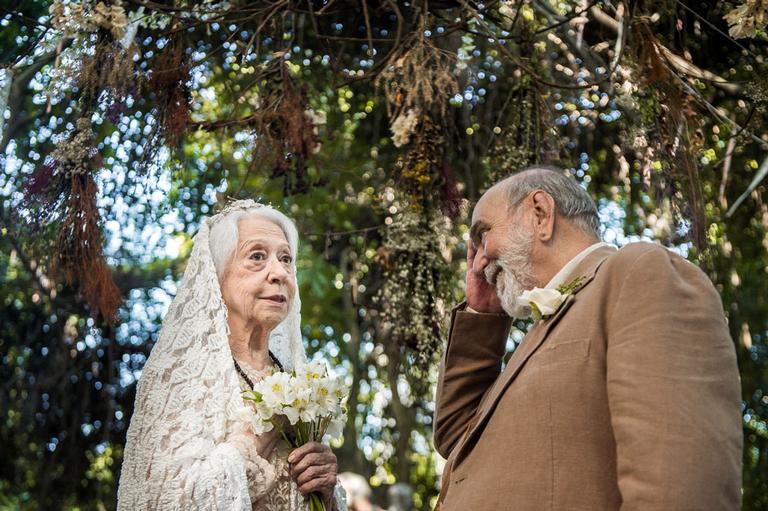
<point>420,77</point>
<point>62,195</point>
<point>170,82</point>
<point>747,19</point>
<point>422,171</point>
<point>72,18</point>
<point>286,128</point>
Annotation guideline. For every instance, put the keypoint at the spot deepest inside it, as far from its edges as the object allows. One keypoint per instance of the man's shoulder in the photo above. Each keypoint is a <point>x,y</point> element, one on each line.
<point>652,259</point>
<point>628,255</point>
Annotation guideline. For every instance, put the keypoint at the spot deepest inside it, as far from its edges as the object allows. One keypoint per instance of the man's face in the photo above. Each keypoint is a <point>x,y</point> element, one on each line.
<point>503,249</point>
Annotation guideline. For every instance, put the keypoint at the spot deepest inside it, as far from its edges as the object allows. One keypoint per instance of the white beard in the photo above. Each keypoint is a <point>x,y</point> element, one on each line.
<point>513,273</point>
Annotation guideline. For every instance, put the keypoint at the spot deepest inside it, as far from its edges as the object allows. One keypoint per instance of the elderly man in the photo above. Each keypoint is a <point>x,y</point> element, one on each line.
<point>624,394</point>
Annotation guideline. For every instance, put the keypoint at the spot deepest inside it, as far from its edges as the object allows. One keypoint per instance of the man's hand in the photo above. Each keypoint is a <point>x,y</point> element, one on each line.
<point>481,296</point>
<point>314,468</point>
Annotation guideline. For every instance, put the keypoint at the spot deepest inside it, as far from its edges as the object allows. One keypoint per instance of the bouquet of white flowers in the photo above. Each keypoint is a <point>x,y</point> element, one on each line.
<point>310,399</point>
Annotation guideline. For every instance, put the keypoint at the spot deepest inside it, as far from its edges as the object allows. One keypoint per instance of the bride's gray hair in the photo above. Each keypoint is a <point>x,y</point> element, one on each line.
<point>224,234</point>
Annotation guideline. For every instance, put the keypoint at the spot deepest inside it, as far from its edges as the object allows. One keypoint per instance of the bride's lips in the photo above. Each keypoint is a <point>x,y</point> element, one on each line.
<point>276,299</point>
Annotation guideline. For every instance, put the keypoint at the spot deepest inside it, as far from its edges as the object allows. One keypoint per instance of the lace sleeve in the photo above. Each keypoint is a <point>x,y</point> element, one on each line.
<point>259,472</point>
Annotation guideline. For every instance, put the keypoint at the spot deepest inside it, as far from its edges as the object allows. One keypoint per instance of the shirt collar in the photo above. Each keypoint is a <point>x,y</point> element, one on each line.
<point>561,276</point>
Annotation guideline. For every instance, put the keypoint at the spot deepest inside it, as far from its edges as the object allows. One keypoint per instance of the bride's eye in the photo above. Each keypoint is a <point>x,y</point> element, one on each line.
<point>257,256</point>
<point>287,259</point>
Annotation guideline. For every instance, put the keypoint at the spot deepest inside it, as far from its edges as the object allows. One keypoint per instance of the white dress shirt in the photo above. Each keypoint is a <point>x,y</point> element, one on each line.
<point>559,278</point>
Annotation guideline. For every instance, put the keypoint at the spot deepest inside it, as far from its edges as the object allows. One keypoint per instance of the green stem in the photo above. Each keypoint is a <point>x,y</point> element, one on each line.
<point>315,502</point>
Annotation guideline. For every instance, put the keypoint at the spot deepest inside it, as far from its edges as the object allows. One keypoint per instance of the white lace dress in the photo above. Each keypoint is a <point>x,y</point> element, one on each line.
<point>183,449</point>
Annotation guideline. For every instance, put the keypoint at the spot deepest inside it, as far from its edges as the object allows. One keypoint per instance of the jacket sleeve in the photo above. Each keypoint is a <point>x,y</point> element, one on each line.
<point>673,389</point>
<point>470,365</point>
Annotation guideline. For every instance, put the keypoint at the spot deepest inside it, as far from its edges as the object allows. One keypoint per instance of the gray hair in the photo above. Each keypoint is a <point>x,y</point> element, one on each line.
<point>571,200</point>
<point>224,234</point>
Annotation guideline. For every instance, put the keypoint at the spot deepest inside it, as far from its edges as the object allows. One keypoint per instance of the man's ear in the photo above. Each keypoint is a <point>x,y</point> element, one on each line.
<point>544,211</point>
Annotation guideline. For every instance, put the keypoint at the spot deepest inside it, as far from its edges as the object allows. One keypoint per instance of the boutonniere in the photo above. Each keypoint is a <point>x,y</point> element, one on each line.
<point>546,302</point>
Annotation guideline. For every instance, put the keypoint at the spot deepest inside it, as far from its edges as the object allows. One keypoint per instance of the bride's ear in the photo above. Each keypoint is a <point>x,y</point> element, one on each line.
<point>544,212</point>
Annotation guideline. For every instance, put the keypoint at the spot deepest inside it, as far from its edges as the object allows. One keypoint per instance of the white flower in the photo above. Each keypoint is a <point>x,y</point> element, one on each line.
<point>311,370</point>
<point>276,390</point>
<point>327,397</point>
<point>261,426</point>
<point>402,127</point>
<point>303,407</point>
<point>292,414</point>
<point>547,301</point>
<point>260,419</point>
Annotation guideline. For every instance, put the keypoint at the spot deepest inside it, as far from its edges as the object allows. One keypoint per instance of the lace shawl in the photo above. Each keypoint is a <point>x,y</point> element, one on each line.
<point>180,451</point>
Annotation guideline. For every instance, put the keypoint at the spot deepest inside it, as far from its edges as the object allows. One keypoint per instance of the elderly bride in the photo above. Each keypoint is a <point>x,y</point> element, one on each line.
<point>234,320</point>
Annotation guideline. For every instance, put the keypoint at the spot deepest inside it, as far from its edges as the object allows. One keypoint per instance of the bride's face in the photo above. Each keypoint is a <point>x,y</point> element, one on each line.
<point>259,283</point>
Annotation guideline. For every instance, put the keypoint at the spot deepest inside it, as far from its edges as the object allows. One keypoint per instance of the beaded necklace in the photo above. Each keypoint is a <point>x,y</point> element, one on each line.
<point>245,376</point>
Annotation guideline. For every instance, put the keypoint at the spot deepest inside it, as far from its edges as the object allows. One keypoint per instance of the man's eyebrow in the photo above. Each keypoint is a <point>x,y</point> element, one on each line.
<point>474,231</point>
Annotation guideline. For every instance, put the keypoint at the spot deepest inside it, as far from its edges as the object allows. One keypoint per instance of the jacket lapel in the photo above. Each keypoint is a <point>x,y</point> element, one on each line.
<point>533,340</point>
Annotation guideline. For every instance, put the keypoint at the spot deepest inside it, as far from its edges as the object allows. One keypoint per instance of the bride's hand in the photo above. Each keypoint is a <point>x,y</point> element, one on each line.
<point>314,468</point>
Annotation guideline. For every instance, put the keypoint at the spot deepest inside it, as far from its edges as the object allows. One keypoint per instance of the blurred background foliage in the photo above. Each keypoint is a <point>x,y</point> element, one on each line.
<point>376,125</point>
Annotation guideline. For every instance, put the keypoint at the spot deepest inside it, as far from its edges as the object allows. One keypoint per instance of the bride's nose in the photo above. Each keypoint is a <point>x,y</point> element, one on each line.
<point>277,272</point>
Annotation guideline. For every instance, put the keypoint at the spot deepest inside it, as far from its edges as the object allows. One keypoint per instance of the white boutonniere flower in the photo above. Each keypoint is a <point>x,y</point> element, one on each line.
<point>544,302</point>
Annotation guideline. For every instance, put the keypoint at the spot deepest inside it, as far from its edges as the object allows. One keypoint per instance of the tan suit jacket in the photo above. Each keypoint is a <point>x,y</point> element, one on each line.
<point>626,398</point>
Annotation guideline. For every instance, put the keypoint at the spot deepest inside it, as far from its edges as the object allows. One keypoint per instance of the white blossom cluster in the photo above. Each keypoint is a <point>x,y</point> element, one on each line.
<point>310,398</point>
<point>73,17</point>
<point>404,125</point>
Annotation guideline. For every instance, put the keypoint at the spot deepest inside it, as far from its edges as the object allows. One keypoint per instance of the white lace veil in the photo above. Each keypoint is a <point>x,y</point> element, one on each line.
<point>188,395</point>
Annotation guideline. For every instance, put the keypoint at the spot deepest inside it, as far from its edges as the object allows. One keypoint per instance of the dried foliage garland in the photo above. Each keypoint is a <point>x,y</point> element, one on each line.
<point>527,138</point>
<point>286,127</point>
<point>670,164</point>
<point>417,83</point>
<point>417,282</point>
<point>419,78</point>
<point>416,78</point>
<point>62,193</point>
<point>170,83</point>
